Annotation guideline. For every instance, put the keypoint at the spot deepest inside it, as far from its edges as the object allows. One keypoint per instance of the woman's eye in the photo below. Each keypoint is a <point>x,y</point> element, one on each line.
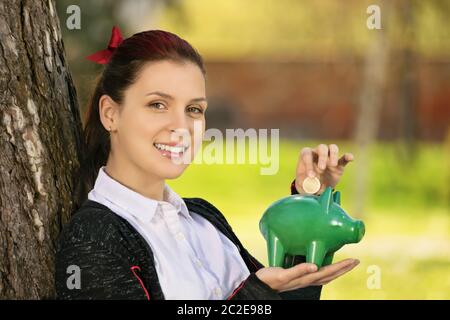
<point>157,105</point>
<point>195,110</point>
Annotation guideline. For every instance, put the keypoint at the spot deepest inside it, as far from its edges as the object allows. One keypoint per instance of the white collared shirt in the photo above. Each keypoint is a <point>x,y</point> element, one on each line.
<point>193,259</point>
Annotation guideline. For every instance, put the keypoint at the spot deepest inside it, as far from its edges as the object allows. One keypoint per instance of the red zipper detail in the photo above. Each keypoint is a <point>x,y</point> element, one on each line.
<point>133,268</point>
<point>237,289</point>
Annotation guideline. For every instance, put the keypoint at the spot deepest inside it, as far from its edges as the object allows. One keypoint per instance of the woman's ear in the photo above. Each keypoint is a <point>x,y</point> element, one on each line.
<point>108,110</point>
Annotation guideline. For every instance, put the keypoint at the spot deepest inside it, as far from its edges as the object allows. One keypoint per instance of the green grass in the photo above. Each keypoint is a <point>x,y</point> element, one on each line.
<point>406,215</point>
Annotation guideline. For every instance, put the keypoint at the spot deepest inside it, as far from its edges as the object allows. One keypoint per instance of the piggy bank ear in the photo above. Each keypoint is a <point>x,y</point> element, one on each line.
<point>326,199</point>
<point>337,197</point>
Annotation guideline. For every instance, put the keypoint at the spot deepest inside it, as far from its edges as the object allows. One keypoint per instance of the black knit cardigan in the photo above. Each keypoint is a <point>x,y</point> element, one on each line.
<point>115,261</point>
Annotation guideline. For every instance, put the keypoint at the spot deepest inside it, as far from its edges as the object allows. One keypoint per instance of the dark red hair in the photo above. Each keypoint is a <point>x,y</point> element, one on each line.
<point>120,72</point>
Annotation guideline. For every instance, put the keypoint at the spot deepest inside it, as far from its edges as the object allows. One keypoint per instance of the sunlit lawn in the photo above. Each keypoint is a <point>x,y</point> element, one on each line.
<point>407,217</point>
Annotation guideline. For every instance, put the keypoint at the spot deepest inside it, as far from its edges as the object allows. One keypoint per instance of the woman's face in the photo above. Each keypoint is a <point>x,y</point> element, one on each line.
<point>160,109</point>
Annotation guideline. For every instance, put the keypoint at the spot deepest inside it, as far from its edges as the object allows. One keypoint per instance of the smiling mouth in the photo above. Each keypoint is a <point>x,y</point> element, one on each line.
<point>171,151</point>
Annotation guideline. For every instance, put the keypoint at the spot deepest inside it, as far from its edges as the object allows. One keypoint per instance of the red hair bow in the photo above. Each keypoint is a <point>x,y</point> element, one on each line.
<point>103,56</point>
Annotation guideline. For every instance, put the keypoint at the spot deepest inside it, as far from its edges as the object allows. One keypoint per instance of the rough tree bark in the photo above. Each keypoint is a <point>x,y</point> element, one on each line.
<point>39,146</point>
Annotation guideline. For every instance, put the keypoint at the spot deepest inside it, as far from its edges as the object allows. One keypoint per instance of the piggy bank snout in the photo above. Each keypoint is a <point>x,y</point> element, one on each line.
<point>359,231</point>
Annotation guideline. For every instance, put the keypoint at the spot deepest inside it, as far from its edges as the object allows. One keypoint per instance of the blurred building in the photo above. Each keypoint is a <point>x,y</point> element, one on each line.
<point>319,100</point>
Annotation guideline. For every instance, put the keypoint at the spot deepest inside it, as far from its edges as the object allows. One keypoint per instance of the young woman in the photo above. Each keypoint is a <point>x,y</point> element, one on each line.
<point>133,237</point>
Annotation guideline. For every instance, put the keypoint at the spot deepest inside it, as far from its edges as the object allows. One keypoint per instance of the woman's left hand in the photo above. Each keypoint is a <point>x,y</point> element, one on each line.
<point>322,162</point>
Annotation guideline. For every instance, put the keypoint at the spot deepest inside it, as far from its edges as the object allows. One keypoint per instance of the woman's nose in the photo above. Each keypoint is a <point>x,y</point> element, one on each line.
<point>179,121</point>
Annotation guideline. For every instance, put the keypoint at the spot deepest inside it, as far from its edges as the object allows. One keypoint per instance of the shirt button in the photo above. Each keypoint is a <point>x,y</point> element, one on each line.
<point>198,263</point>
<point>218,292</point>
<point>180,235</point>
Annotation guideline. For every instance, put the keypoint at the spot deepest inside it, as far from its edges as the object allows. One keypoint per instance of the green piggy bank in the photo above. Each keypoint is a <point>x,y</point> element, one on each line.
<point>308,225</point>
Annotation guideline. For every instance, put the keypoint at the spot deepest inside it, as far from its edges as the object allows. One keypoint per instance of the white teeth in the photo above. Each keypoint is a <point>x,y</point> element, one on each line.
<point>169,148</point>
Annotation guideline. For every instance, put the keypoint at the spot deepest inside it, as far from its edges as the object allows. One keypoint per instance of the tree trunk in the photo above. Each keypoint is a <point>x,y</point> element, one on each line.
<point>39,142</point>
<point>370,103</point>
<point>407,81</point>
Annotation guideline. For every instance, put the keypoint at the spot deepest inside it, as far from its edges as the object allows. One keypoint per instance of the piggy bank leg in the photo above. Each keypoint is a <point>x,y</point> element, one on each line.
<point>275,250</point>
<point>328,259</point>
<point>315,253</point>
<point>289,261</point>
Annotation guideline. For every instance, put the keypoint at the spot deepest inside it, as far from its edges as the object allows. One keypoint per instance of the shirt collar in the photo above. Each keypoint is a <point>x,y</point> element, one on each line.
<point>135,203</point>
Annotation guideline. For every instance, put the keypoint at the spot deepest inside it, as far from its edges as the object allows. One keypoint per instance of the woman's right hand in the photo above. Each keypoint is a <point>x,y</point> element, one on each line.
<point>303,275</point>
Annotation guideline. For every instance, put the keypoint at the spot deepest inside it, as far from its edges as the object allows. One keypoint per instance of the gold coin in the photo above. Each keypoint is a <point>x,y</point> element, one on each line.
<point>311,185</point>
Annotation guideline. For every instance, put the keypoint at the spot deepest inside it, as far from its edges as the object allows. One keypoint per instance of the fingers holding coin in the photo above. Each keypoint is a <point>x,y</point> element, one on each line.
<point>317,164</point>
<point>306,176</point>
<point>313,161</point>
